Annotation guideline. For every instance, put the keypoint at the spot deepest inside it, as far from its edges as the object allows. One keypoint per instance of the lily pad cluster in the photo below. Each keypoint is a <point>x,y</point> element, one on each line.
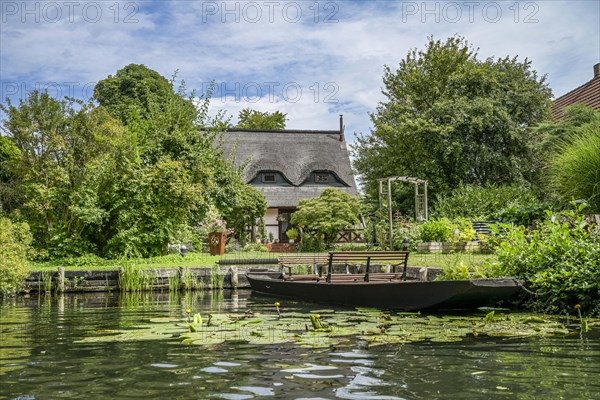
<point>324,328</point>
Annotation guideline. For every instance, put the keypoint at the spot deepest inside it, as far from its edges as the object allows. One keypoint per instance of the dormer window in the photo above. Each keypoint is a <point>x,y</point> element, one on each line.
<point>269,178</point>
<point>321,178</point>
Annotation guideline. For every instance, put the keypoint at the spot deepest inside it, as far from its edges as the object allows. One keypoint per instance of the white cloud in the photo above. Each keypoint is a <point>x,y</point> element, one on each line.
<point>349,54</point>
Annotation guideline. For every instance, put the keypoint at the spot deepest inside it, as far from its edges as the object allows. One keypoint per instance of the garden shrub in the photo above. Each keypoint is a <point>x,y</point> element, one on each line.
<point>461,271</point>
<point>560,261</point>
<point>15,239</point>
<point>312,243</point>
<point>255,247</point>
<point>466,232</point>
<point>575,169</point>
<point>353,247</point>
<point>436,230</point>
<point>510,203</point>
<point>406,230</point>
<point>327,215</point>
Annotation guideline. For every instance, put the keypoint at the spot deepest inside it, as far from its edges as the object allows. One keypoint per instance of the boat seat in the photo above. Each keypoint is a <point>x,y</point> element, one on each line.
<point>315,260</point>
<point>369,259</point>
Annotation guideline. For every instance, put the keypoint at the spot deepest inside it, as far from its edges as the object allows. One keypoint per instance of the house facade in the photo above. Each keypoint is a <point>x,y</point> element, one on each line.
<point>290,165</point>
<point>587,94</point>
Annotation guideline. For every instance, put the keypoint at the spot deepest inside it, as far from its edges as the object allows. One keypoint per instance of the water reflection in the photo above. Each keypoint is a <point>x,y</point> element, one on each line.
<point>41,357</point>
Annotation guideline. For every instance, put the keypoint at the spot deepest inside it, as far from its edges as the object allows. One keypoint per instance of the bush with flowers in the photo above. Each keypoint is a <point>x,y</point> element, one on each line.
<point>217,225</point>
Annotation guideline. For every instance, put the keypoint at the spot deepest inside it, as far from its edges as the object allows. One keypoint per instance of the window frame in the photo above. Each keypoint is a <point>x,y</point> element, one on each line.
<point>322,177</point>
<point>269,174</point>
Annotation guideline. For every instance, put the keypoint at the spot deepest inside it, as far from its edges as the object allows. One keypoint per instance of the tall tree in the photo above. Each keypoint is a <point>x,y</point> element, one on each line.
<point>450,118</point>
<point>133,90</point>
<point>10,195</point>
<point>67,151</point>
<point>253,119</point>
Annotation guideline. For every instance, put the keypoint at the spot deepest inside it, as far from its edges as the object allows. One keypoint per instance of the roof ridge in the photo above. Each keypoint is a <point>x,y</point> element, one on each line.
<point>327,132</point>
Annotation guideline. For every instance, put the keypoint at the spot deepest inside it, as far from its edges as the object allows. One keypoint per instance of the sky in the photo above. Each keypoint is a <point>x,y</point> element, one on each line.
<point>312,59</point>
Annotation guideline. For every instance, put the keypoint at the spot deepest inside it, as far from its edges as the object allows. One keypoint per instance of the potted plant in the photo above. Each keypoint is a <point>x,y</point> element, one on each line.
<point>292,234</point>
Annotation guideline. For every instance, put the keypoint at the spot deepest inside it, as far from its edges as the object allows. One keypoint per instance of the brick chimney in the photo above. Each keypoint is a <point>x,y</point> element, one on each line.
<point>597,70</point>
<point>342,127</point>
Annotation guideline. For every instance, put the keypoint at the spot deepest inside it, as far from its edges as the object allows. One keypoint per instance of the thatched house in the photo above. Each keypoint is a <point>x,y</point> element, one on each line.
<point>290,165</point>
<point>587,94</point>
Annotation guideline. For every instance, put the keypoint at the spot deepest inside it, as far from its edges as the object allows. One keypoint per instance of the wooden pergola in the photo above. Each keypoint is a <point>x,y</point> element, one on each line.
<point>421,212</point>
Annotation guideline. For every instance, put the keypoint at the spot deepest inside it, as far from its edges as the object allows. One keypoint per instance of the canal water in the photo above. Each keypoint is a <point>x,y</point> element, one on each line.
<point>44,355</point>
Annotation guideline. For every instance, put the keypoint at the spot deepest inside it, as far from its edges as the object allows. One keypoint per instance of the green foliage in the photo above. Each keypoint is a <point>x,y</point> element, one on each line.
<point>436,230</point>
<point>465,230</point>
<point>575,168</point>
<point>328,214</point>
<point>14,246</point>
<point>292,233</point>
<point>440,230</point>
<point>312,243</point>
<point>86,184</point>
<point>507,203</point>
<point>560,261</point>
<point>353,247</point>
<point>249,205</point>
<point>10,195</point>
<point>133,278</point>
<point>132,91</point>
<point>404,229</point>
<point>255,247</point>
<point>552,134</point>
<point>68,154</point>
<point>253,119</point>
<point>460,271</point>
<point>450,117</point>
<point>262,230</point>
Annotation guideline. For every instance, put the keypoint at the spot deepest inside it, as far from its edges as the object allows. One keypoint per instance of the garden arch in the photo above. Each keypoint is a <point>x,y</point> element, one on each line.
<point>421,208</point>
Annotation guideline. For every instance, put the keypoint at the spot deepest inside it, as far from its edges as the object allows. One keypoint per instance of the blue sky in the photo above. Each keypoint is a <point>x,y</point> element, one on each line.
<point>310,59</point>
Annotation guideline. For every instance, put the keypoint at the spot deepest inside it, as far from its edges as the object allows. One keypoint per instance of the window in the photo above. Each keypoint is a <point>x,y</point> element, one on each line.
<point>269,178</point>
<point>321,178</point>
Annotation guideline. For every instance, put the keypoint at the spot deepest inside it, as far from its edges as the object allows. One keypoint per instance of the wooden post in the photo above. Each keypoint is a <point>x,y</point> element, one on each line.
<point>391,227</point>
<point>233,270</point>
<point>181,272</point>
<point>426,205</point>
<point>380,194</point>
<point>417,205</point>
<point>61,279</point>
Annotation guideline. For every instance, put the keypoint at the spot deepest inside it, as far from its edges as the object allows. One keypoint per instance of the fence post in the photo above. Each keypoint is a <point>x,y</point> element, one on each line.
<point>233,270</point>
<point>181,272</point>
<point>61,279</point>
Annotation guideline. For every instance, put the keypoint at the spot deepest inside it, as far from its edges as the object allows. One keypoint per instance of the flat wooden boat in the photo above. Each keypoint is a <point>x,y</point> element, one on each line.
<point>387,290</point>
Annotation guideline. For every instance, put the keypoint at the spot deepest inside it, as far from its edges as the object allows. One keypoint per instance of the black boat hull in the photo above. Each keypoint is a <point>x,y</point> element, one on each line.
<point>404,295</point>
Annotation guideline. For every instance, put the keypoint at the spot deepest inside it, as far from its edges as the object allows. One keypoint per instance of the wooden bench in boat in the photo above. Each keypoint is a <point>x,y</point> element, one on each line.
<point>369,259</point>
<point>315,260</point>
<point>355,259</point>
<point>345,278</point>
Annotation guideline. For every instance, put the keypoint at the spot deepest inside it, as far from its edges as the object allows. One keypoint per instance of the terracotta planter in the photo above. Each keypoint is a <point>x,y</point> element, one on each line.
<point>216,243</point>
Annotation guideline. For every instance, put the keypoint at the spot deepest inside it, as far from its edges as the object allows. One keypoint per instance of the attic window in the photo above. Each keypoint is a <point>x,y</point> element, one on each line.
<point>269,178</point>
<point>321,178</point>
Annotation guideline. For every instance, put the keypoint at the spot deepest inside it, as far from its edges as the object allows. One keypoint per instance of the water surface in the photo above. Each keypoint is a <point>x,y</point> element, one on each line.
<point>41,357</point>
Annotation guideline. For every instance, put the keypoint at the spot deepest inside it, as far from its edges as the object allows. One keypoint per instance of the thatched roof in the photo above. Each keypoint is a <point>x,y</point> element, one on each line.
<point>293,153</point>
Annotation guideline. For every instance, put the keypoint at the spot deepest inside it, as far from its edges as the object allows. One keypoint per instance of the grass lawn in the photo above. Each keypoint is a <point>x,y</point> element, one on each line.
<point>205,260</point>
